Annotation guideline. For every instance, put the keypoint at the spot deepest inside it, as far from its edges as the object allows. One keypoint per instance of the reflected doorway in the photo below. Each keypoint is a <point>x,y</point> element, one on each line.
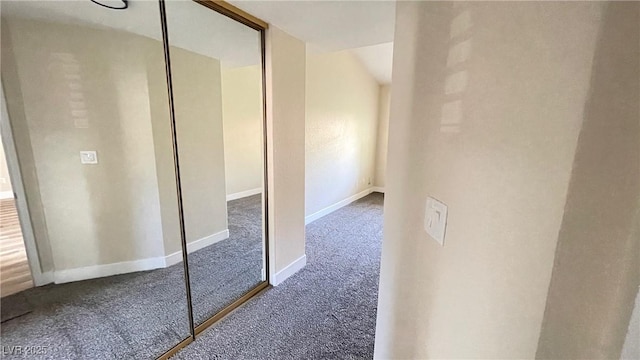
<point>15,274</point>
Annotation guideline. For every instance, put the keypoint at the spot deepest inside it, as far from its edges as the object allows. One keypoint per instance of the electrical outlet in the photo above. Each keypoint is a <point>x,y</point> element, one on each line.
<point>88,157</point>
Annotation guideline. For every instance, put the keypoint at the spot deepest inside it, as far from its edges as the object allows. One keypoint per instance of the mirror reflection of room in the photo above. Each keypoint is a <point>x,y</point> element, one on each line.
<point>86,108</point>
<point>217,88</point>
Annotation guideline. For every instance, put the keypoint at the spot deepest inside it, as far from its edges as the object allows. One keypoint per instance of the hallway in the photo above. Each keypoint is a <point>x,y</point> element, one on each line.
<point>14,266</point>
<point>326,310</point>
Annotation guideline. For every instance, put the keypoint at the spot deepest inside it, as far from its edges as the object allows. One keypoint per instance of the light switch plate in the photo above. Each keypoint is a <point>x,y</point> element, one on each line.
<point>435,219</point>
<point>88,157</point>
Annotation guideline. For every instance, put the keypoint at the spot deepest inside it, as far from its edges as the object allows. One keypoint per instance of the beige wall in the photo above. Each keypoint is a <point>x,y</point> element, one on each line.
<point>22,140</point>
<point>5,181</point>
<point>285,127</point>
<point>197,93</point>
<point>384,100</point>
<point>243,135</point>
<point>597,263</point>
<point>78,97</point>
<point>64,95</point>
<point>197,103</point>
<point>341,128</point>
<point>487,106</point>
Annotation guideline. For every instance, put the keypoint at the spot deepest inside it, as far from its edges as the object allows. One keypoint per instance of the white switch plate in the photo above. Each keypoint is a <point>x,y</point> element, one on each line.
<point>88,157</point>
<point>435,219</point>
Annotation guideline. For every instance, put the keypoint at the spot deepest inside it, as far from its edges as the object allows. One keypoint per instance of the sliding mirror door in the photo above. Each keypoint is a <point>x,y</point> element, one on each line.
<point>87,107</point>
<point>216,67</point>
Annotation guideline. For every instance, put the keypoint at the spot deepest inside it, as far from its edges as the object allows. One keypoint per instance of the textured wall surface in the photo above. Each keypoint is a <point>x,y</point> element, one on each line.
<point>242,121</point>
<point>341,127</point>
<point>285,124</point>
<point>596,271</point>
<point>383,135</point>
<point>487,106</point>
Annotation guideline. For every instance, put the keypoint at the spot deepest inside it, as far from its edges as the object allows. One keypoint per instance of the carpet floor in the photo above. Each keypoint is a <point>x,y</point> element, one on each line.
<point>138,315</point>
<point>325,311</point>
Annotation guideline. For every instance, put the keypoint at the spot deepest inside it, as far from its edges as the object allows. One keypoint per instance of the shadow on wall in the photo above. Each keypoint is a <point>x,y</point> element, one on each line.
<point>597,267</point>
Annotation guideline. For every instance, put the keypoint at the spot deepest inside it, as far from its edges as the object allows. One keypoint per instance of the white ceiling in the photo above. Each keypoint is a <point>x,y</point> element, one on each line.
<point>378,59</point>
<point>225,39</point>
<point>335,25</point>
<point>324,25</point>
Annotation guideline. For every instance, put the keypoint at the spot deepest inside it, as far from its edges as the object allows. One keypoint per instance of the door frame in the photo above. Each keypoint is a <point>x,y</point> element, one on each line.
<point>22,207</point>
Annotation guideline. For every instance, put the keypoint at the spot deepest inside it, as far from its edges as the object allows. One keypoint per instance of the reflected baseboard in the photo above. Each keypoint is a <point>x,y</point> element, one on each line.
<point>243,194</point>
<point>97,271</point>
<point>44,279</point>
<point>196,245</point>
<point>377,189</point>
<point>289,270</point>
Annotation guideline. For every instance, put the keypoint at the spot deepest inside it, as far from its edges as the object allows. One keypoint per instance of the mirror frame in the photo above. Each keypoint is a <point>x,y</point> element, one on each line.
<point>244,18</point>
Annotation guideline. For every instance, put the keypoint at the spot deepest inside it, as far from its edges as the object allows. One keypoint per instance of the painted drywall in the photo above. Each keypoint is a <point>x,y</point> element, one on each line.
<point>286,152</point>
<point>108,212</point>
<point>22,140</point>
<point>487,106</point>
<point>597,263</point>
<point>243,133</point>
<point>124,208</point>
<point>383,136</point>
<point>197,94</point>
<point>5,181</point>
<point>341,128</point>
<point>197,104</point>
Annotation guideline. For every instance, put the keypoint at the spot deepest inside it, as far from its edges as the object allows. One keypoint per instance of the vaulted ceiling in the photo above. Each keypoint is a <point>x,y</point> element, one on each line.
<point>367,26</point>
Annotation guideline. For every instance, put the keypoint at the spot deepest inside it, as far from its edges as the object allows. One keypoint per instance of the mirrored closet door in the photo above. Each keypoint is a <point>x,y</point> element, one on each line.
<point>135,131</point>
<point>85,98</point>
<point>217,73</point>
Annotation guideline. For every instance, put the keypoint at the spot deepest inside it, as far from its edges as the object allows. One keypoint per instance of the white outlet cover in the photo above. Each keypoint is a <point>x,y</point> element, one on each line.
<point>435,219</point>
<point>88,157</point>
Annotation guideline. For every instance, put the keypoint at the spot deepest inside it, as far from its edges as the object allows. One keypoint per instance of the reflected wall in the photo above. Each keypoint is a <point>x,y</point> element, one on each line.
<point>88,104</point>
<point>217,89</point>
<point>81,78</point>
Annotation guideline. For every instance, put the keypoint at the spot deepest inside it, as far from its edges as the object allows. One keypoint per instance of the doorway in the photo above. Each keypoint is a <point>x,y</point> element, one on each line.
<point>15,274</point>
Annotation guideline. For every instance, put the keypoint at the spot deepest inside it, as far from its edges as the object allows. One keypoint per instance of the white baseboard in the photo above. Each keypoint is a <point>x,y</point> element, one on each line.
<point>240,195</point>
<point>377,189</point>
<point>97,271</point>
<point>207,240</point>
<point>43,279</point>
<point>173,259</point>
<point>6,195</point>
<point>289,270</point>
<point>329,209</point>
<point>196,245</point>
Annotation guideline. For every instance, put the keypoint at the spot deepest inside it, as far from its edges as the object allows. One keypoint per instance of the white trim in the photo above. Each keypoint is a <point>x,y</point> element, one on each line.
<point>6,195</point>
<point>173,259</point>
<point>97,271</point>
<point>176,257</point>
<point>377,189</point>
<point>240,195</point>
<point>17,185</point>
<point>289,270</point>
<point>329,209</point>
<point>46,277</point>
<point>207,240</point>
